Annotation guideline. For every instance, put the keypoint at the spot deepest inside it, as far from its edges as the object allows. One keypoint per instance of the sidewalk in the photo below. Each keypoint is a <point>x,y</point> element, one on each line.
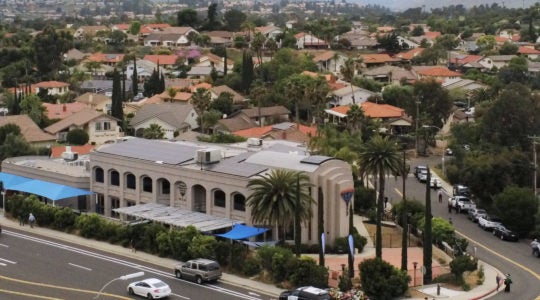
<point>333,262</point>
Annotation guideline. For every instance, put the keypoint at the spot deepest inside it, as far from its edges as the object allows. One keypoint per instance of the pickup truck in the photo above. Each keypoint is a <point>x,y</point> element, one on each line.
<point>535,245</point>
<point>461,203</point>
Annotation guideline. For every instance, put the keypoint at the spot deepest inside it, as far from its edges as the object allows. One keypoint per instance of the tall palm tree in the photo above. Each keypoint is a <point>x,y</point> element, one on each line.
<point>281,198</point>
<point>379,157</point>
<point>201,100</point>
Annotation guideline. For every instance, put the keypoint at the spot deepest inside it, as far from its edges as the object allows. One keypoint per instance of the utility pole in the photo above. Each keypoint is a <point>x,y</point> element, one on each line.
<point>535,165</point>
<point>428,245</point>
<point>416,130</point>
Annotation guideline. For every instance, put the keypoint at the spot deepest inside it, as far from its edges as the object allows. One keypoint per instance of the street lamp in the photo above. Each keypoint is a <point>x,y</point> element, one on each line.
<point>414,278</point>
<point>124,277</point>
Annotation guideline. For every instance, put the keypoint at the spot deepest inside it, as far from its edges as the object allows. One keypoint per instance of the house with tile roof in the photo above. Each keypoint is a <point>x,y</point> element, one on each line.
<point>407,43</point>
<point>375,60</point>
<point>359,39</point>
<point>214,61</point>
<point>98,102</point>
<point>74,54</point>
<point>100,126</point>
<point>110,59</point>
<point>388,74</point>
<point>157,39</point>
<point>282,131</point>
<point>349,95</point>
<point>249,118</point>
<point>393,118</point>
<point>29,130</point>
<point>529,52</point>
<point>309,41</point>
<point>56,151</point>
<point>53,88</point>
<point>464,62</point>
<point>62,110</point>
<point>269,31</point>
<point>238,99</point>
<point>329,61</point>
<point>407,56</point>
<point>438,73</point>
<point>89,32</point>
<point>163,60</point>
<point>172,117</point>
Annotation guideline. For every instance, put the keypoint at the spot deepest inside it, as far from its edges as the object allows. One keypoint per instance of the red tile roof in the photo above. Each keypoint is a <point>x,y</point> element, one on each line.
<point>377,58</point>
<point>122,26</point>
<point>51,84</point>
<point>255,132</point>
<point>432,34</point>
<point>61,111</point>
<point>374,110</point>
<point>527,50</point>
<point>162,60</point>
<point>204,85</point>
<point>439,71</point>
<point>467,59</point>
<point>106,58</point>
<point>408,55</point>
<point>56,151</point>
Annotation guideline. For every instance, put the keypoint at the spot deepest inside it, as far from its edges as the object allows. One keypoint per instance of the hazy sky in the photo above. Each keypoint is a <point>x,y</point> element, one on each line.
<point>401,4</point>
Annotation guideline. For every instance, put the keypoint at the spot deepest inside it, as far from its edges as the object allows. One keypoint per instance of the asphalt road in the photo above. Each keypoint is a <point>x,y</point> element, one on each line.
<point>508,257</point>
<point>32,267</point>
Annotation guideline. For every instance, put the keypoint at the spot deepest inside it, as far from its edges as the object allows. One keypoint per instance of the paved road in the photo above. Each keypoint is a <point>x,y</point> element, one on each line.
<point>32,267</point>
<point>508,257</point>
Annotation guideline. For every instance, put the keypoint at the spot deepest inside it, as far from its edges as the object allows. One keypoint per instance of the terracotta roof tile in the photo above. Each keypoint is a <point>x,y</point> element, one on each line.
<point>162,60</point>
<point>56,151</point>
<point>527,50</point>
<point>51,84</point>
<point>439,71</point>
<point>374,110</point>
<point>61,111</point>
<point>29,130</point>
<point>377,58</point>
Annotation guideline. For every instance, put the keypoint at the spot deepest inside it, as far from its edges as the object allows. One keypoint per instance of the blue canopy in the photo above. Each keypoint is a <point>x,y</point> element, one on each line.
<point>49,190</point>
<point>239,232</point>
<point>10,180</point>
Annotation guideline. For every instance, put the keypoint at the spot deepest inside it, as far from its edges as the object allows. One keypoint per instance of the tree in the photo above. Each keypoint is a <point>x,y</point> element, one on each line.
<point>435,103</point>
<point>171,92</point>
<point>517,208</point>
<point>135,27</point>
<point>32,106</point>
<point>257,45</point>
<point>234,20</point>
<point>77,137</point>
<point>15,145</point>
<point>201,100</point>
<point>223,103</point>
<point>48,47</point>
<point>247,71</point>
<point>379,157</point>
<point>348,70</point>
<point>210,118</point>
<point>212,17</point>
<point>417,31</point>
<point>508,49</point>
<point>390,43</point>
<point>153,132</point>
<point>117,110</point>
<point>280,199</point>
<point>187,17</point>
<point>382,281</point>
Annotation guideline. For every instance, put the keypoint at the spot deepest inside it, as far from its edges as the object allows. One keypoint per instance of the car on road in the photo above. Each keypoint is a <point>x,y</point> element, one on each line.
<point>305,293</point>
<point>475,213</point>
<point>461,203</point>
<point>488,222</point>
<point>461,190</point>
<point>150,288</point>
<point>422,176</point>
<point>435,183</point>
<point>199,270</point>
<point>505,234</point>
<point>535,246</point>
<point>418,170</point>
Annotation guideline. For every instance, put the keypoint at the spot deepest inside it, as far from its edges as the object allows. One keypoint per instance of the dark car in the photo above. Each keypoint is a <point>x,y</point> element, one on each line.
<point>305,293</point>
<point>505,234</point>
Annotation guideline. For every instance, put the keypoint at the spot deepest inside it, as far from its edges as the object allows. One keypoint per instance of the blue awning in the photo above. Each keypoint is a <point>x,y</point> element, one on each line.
<point>53,191</point>
<point>10,180</point>
<point>239,232</point>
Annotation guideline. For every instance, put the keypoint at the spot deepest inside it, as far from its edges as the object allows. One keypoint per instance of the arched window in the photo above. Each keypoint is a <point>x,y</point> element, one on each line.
<point>98,173</point>
<point>115,178</point>
<point>239,202</point>
<point>130,181</point>
<point>219,198</point>
<point>147,184</point>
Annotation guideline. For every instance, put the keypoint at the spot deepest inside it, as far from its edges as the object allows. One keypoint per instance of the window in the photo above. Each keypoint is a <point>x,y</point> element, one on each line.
<point>165,187</point>
<point>219,198</point>
<point>107,125</point>
<point>239,202</point>
<point>100,204</point>
<point>98,126</point>
<point>115,178</point>
<point>130,181</point>
<point>147,184</point>
<point>115,203</point>
<point>98,175</point>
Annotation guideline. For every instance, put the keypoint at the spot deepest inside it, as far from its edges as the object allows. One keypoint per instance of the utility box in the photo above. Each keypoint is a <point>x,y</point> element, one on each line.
<point>208,156</point>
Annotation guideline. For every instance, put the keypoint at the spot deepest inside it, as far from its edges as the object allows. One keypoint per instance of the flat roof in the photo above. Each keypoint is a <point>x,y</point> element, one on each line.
<point>177,217</point>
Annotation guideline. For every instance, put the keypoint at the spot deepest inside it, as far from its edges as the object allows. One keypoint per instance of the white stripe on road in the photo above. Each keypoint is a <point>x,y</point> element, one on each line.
<point>8,261</point>
<point>3,265</point>
<point>3,245</point>
<point>180,296</point>
<point>84,268</point>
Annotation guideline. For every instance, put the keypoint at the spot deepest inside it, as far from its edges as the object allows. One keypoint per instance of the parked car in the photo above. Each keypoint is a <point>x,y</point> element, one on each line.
<point>535,246</point>
<point>505,234</point>
<point>150,288</point>
<point>422,176</point>
<point>199,270</point>
<point>418,170</point>
<point>305,293</point>
<point>461,190</point>
<point>488,222</point>
<point>448,152</point>
<point>461,203</point>
<point>435,183</point>
<point>475,213</point>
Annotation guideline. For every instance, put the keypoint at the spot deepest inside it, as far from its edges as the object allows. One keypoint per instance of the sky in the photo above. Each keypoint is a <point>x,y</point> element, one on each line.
<point>405,4</point>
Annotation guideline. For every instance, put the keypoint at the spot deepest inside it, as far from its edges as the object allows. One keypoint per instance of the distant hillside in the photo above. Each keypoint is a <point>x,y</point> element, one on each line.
<point>403,5</point>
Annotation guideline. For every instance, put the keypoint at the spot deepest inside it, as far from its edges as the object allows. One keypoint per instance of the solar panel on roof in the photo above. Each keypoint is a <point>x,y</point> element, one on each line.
<point>315,159</point>
<point>151,150</point>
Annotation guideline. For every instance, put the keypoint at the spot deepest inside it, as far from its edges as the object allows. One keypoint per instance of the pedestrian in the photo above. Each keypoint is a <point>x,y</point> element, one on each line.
<point>449,207</point>
<point>21,220</point>
<point>31,220</point>
<point>132,244</point>
<point>385,202</point>
<point>498,280</point>
<point>507,283</point>
<point>439,193</point>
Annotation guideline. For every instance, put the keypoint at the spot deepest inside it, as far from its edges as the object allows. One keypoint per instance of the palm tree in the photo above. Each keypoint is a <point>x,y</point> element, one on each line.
<point>280,198</point>
<point>201,100</point>
<point>379,157</point>
<point>171,92</point>
<point>153,132</point>
<point>348,70</point>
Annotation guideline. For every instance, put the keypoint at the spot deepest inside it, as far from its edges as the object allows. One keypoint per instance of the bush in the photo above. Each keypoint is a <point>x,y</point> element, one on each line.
<point>251,266</point>
<point>341,245</point>
<point>223,252</point>
<point>88,225</point>
<point>77,137</point>
<point>307,272</point>
<point>442,231</point>
<point>282,265</point>
<point>364,198</point>
<point>381,280</point>
<point>461,264</point>
<point>64,219</point>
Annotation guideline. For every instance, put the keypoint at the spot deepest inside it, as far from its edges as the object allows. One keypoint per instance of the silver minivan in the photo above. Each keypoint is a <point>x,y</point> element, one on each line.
<point>199,270</point>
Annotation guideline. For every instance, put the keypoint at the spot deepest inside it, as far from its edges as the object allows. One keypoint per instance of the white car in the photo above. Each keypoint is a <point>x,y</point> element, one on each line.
<point>435,183</point>
<point>150,288</point>
<point>488,222</point>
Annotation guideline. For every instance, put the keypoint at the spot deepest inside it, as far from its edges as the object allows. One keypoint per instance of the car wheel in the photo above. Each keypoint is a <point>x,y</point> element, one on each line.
<point>536,253</point>
<point>178,274</point>
<point>494,233</point>
<point>199,280</point>
<point>130,291</point>
<point>149,296</point>
<point>502,237</point>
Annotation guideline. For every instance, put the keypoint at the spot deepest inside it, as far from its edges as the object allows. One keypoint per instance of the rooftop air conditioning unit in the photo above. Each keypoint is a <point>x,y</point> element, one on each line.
<point>70,156</point>
<point>208,156</point>
<point>254,142</point>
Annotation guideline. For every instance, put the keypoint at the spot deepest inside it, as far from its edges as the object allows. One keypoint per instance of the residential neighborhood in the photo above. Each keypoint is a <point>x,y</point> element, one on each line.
<point>160,120</point>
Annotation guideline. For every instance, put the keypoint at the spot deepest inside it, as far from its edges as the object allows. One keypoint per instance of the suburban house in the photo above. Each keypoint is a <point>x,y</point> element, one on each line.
<point>57,151</point>
<point>109,59</point>
<point>249,118</point>
<point>89,32</point>
<point>310,41</point>
<point>406,43</point>
<point>329,61</point>
<point>206,185</point>
<point>29,130</point>
<point>167,61</point>
<point>269,31</point>
<point>407,56</point>
<point>53,88</point>
<point>359,40</point>
<point>74,54</point>
<point>216,62</point>
<point>467,85</point>
<point>286,131</point>
<point>349,95</point>
<point>528,52</point>
<point>98,102</point>
<point>100,126</point>
<point>169,37</point>
<point>62,110</point>
<point>464,62</point>
<point>173,118</point>
<point>393,119</point>
<point>376,60</point>
<point>438,73</point>
<point>238,100</point>
<point>103,87</point>
<point>145,68</point>
<point>500,61</point>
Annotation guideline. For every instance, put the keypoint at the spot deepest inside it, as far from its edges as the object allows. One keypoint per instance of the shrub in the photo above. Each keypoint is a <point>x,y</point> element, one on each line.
<point>202,246</point>
<point>307,272</point>
<point>381,280</point>
<point>239,253</point>
<point>461,264</point>
<point>364,198</point>
<point>77,137</point>
<point>341,245</point>
<point>251,266</point>
<point>88,225</point>
<point>223,252</point>
<point>282,265</point>
<point>345,282</point>
<point>64,219</point>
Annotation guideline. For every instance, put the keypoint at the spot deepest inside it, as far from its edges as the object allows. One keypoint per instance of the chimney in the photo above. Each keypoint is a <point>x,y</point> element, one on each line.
<point>284,135</point>
<point>64,108</point>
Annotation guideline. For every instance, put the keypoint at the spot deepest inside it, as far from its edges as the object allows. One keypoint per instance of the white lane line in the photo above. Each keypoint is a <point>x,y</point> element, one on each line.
<point>3,245</point>
<point>254,294</point>
<point>3,265</point>
<point>180,296</point>
<point>8,261</point>
<point>84,268</point>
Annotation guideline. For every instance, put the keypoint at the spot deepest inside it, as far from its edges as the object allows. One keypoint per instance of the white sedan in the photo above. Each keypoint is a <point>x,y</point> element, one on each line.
<point>435,183</point>
<point>150,288</point>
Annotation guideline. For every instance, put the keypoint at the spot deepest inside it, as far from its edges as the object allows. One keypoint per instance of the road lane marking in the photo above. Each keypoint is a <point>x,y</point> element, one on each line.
<point>84,268</point>
<point>500,255</point>
<point>53,286</point>
<point>180,296</point>
<point>29,295</point>
<point>2,264</point>
<point>8,261</point>
<point>3,245</point>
